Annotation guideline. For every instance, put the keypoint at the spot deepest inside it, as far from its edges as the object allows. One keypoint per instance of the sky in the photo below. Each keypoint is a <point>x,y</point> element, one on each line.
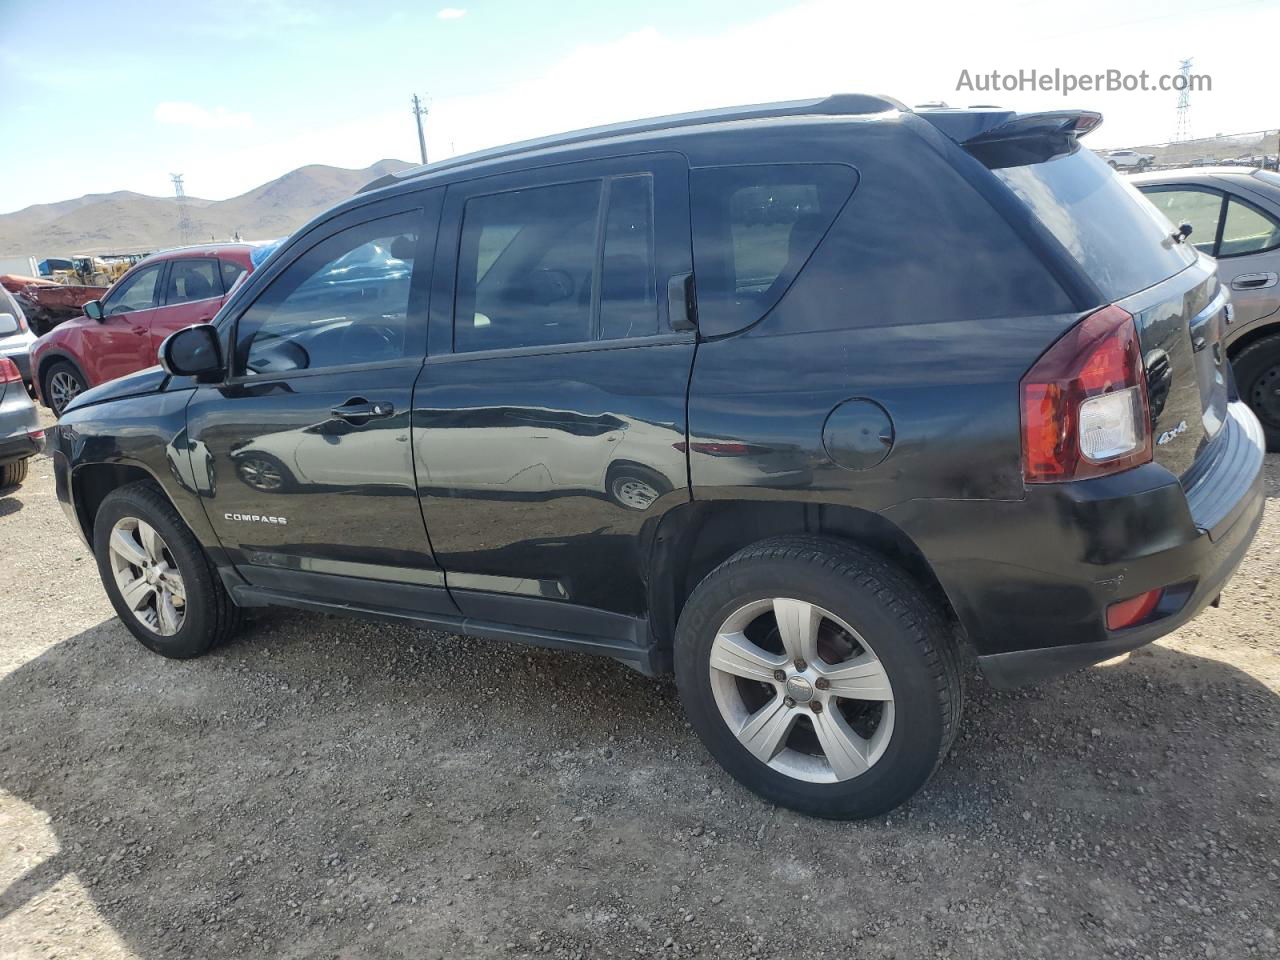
<point>234,94</point>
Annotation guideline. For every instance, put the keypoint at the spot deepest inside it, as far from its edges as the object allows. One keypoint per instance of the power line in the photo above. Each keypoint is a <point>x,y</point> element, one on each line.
<point>420,111</point>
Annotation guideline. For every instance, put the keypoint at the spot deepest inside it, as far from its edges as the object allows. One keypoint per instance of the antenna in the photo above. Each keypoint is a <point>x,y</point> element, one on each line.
<point>1184,102</point>
<point>184,221</point>
<point>420,111</point>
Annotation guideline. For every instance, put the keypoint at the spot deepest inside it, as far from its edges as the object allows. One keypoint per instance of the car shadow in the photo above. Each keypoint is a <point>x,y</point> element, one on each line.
<point>345,788</point>
<point>9,504</point>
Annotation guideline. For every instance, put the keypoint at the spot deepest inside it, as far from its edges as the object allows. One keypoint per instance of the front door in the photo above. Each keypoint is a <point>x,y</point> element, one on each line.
<point>122,340</point>
<point>306,445</point>
<point>549,422</point>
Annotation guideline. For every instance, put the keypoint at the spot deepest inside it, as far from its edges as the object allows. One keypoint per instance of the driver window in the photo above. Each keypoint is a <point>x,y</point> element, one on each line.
<point>137,292</point>
<point>343,302</point>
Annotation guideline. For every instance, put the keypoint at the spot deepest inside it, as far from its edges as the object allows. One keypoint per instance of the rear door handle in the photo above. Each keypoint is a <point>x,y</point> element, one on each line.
<point>360,410</point>
<point>1253,281</point>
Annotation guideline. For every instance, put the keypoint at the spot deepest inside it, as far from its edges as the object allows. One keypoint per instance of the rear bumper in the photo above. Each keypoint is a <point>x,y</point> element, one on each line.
<point>1031,580</point>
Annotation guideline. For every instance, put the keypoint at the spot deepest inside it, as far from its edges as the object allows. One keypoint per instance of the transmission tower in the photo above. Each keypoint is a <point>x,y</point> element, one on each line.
<point>184,221</point>
<point>1184,102</point>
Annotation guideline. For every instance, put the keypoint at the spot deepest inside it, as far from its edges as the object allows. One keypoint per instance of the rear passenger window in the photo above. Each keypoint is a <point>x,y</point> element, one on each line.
<point>535,270</point>
<point>192,280</point>
<point>1247,230</point>
<point>753,229</point>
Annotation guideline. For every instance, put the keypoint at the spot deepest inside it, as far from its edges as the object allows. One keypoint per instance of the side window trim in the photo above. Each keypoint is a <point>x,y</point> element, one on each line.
<point>427,204</point>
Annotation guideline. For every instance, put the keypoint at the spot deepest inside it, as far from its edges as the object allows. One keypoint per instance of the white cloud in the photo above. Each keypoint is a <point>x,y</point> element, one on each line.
<point>451,13</point>
<point>185,114</point>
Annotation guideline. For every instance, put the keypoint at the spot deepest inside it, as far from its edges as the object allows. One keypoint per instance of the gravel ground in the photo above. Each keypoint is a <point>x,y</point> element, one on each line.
<point>329,788</point>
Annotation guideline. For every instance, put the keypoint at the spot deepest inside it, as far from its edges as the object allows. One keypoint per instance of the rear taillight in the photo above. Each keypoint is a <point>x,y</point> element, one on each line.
<point>1084,403</point>
<point>9,371</point>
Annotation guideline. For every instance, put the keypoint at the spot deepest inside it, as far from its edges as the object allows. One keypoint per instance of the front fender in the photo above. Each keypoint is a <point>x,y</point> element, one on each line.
<point>97,446</point>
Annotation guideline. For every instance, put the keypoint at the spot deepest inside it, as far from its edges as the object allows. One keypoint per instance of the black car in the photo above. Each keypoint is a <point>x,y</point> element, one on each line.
<point>805,402</point>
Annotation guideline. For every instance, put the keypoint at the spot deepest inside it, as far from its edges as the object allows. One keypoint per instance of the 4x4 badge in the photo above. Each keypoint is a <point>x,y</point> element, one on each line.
<point>1170,434</point>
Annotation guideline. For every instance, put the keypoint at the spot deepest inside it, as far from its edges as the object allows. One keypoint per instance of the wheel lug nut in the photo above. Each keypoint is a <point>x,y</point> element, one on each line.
<point>801,665</point>
<point>779,675</point>
<point>788,701</point>
<point>815,706</point>
<point>822,683</point>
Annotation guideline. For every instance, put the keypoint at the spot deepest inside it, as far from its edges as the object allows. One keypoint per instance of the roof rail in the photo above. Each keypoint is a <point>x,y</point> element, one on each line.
<point>839,104</point>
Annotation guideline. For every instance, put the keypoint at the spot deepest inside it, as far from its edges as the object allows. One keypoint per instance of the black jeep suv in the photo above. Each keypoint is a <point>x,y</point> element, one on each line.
<point>802,401</point>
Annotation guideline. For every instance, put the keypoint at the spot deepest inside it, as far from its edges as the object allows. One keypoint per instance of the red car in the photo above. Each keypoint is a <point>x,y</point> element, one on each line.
<point>121,332</point>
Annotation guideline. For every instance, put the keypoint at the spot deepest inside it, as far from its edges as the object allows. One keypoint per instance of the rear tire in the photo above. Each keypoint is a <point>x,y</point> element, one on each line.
<point>12,474</point>
<point>891,645</point>
<point>153,553</point>
<point>1257,372</point>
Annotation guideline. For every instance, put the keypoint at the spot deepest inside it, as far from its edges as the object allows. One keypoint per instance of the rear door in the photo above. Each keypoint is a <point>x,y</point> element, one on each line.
<point>549,421</point>
<point>192,294</point>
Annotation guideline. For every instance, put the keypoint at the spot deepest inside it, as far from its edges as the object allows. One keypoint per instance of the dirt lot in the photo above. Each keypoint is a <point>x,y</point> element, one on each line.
<point>327,788</point>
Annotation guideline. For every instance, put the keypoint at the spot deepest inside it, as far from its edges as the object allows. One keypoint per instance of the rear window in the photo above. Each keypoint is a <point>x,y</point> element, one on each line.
<point>1118,238</point>
<point>753,229</point>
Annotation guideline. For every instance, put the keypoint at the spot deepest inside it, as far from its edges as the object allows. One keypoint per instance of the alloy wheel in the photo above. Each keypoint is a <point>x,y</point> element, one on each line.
<point>147,576</point>
<point>802,690</point>
<point>63,388</point>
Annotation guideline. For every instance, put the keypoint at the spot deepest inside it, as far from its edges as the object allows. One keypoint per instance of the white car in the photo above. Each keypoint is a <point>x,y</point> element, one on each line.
<point>1129,160</point>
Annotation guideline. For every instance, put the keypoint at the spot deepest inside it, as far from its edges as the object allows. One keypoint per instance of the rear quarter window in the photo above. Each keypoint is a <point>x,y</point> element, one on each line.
<point>754,226</point>
<point>1112,232</point>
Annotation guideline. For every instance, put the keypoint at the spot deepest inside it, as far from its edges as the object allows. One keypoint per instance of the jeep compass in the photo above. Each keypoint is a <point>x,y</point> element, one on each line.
<point>806,403</point>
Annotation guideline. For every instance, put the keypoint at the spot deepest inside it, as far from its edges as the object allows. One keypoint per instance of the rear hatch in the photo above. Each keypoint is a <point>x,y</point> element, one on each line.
<point>1127,250</point>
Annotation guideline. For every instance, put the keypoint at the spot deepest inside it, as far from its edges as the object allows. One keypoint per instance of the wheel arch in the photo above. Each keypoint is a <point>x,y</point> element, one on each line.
<point>1263,328</point>
<point>92,482</point>
<point>696,537</point>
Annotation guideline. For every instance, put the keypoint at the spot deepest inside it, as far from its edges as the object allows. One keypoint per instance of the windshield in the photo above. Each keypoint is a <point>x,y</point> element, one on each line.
<point>1116,236</point>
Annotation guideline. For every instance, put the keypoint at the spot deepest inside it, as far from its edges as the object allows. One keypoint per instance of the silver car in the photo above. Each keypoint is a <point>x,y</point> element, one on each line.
<point>16,338</point>
<point>1235,217</point>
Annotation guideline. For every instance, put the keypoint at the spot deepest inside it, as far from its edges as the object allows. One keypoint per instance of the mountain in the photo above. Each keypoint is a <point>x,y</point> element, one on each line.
<point>127,222</point>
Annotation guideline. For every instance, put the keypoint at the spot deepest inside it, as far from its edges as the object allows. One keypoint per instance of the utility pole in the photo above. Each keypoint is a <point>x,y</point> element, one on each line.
<point>420,111</point>
<point>184,222</point>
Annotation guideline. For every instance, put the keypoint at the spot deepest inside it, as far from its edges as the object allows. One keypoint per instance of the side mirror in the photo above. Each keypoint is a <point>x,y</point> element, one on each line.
<point>93,310</point>
<point>8,324</point>
<point>192,352</point>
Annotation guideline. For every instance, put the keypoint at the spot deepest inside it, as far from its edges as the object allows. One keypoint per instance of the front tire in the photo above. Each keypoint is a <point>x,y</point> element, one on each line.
<point>161,583</point>
<point>1257,373</point>
<point>819,676</point>
<point>62,384</point>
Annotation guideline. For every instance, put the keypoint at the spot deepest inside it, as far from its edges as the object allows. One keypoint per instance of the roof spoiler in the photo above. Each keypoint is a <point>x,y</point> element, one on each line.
<point>1002,138</point>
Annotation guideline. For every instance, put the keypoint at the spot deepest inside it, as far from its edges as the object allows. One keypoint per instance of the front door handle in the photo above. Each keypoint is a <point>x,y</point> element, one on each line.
<point>1254,281</point>
<point>359,410</point>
